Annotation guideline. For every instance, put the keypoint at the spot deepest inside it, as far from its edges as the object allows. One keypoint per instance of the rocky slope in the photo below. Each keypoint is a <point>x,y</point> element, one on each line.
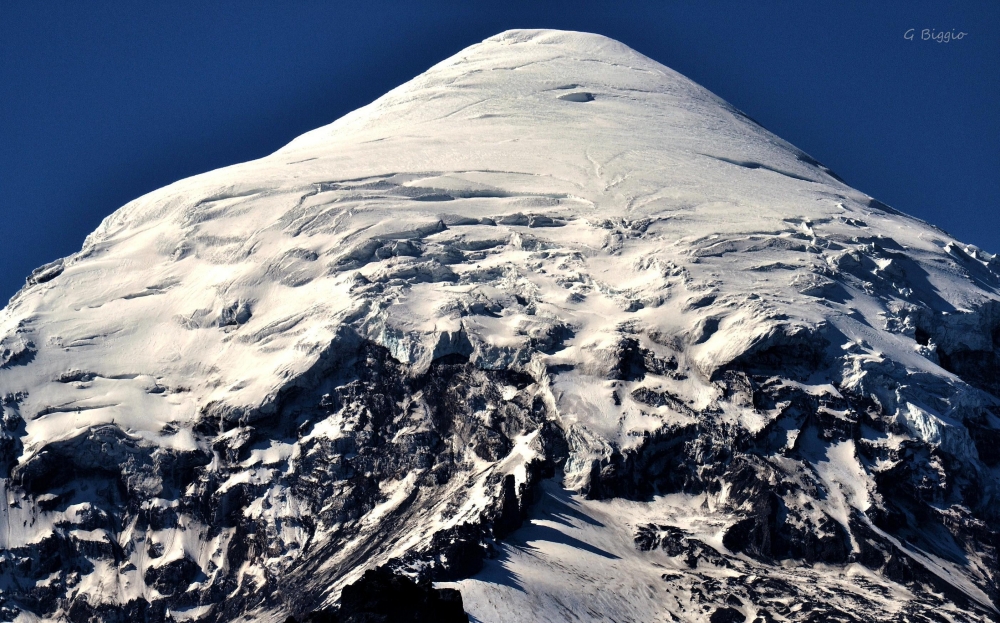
<point>550,324</point>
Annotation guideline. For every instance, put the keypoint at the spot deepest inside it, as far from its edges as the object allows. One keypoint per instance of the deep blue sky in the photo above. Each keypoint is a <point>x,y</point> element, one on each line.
<point>101,102</point>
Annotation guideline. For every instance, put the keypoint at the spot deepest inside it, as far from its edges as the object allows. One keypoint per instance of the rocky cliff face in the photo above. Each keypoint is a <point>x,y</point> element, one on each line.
<point>549,324</point>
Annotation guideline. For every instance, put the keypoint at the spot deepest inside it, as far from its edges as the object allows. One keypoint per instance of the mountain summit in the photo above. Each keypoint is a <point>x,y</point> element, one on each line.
<point>549,324</point>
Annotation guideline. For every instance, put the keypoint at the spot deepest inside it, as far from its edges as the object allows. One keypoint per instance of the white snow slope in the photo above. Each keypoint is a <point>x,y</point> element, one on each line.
<point>528,203</point>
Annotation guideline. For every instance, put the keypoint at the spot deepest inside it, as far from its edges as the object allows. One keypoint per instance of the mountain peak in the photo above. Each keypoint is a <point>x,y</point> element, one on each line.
<point>518,87</point>
<point>584,44</point>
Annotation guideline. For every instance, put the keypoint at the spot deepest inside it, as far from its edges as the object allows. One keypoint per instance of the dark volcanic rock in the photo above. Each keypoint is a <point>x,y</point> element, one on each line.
<point>381,596</point>
<point>172,577</point>
<point>727,615</point>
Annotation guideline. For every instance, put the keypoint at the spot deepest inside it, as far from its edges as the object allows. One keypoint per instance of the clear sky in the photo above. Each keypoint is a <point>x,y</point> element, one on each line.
<point>101,102</point>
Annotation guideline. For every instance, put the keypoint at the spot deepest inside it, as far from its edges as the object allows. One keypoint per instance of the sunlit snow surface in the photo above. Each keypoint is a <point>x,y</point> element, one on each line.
<point>534,181</point>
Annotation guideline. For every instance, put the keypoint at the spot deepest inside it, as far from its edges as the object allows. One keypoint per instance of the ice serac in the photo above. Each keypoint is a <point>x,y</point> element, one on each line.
<point>550,324</point>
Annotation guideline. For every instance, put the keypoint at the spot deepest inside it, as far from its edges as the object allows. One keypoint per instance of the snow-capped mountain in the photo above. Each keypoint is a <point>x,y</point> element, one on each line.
<point>549,324</point>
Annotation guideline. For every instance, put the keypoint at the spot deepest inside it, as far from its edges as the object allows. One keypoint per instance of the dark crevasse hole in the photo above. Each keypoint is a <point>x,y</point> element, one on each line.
<point>578,97</point>
<point>235,314</point>
<point>923,337</point>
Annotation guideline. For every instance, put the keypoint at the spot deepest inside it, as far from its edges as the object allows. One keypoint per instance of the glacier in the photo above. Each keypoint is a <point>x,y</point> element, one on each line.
<point>549,324</point>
